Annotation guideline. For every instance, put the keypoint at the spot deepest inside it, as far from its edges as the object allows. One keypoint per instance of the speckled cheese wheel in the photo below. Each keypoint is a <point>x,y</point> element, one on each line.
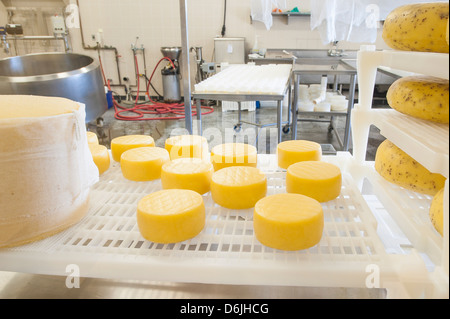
<point>187,146</point>
<point>288,221</point>
<point>171,216</point>
<point>123,143</point>
<point>294,151</point>
<point>233,154</point>
<point>238,187</point>
<point>187,173</point>
<point>436,211</point>
<point>316,179</point>
<point>143,163</point>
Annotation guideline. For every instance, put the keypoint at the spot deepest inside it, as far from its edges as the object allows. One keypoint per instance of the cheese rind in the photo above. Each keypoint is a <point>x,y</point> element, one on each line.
<point>187,146</point>
<point>316,179</point>
<point>397,167</point>
<point>171,216</point>
<point>288,221</point>
<point>101,158</point>
<point>123,143</point>
<point>187,173</point>
<point>294,151</point>
<point>233,154</point>
<point>422,97</point>
<point>238,187</point>
<point>143,163</point>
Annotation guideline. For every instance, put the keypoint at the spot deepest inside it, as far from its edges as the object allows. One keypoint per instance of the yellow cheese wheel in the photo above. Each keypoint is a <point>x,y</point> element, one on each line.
<point>422,97</point>
<point>397,167</point>
<point>294,151</point>
<point>123,143</point>
<point>101,158</point>
<point>31,106</point>
<point>316,179</point>
<point>171,215</point>
<point>92,137</point>
<point>233,154</point>
<point>143,163</point>
<point>186,146</point>
<point>187,173</point>
<point>436,211</point>
<point>238,187</point>
<point>288,221</point>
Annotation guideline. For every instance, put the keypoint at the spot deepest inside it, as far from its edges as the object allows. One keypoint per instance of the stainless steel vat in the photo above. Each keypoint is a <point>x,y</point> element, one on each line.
<point>73,76</point>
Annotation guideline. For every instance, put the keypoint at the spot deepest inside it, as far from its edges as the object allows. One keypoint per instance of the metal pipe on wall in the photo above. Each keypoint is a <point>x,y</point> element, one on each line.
<point>186,69</point>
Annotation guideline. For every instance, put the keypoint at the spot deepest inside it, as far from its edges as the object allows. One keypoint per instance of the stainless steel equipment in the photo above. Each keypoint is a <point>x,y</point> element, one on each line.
<point>171,76</point>
<point>73,76</point>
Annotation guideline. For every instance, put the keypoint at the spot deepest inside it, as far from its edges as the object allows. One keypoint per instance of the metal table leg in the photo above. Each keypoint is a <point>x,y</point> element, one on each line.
<point>294,107</point>
<point>349,112</point>
<point>199,117</point>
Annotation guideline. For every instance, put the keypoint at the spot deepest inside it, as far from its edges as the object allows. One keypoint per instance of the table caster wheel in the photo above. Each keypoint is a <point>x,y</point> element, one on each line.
<point>237,128</point>
<point>286,129</point>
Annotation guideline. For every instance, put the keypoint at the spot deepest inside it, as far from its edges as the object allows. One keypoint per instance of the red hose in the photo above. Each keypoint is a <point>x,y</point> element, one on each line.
<point>156,108</point>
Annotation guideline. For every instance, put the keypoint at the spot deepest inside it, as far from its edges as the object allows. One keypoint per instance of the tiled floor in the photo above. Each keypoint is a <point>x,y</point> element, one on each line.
<point>218,127</point>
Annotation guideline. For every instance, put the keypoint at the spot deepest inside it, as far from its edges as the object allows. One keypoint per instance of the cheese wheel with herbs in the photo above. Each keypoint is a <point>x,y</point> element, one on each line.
<point>238,187</point>
<point>316,179</point>
<point>143,163</point>
<point>294,151</point>
<point>187,173</point>
<point>123,143</point>
<point>187,146</point>
<point>288,221</point>
<point>46,169</point>
<point>171,215</point>
<point>233,154</point>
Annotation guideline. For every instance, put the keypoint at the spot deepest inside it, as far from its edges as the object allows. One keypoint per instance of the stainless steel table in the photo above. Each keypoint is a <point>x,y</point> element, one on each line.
<point>323,67</point>
<point>245,97</point>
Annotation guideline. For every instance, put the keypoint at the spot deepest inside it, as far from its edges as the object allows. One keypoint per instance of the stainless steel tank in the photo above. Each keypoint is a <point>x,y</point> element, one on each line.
<point>73,76</point>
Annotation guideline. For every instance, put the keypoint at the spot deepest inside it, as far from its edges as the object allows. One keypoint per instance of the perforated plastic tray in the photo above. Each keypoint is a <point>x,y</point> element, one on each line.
<point>107,243</point>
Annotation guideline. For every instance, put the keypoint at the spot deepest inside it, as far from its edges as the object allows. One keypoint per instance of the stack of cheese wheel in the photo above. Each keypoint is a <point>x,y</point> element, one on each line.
<point>187,146</point>
<point>233,154</point>
<point>419,27</point>
<point>46,169</point>
<point>100,153</point>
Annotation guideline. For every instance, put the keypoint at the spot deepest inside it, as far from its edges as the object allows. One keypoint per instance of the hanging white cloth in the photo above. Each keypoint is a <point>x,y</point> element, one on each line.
<point>345,20</point>
<point>261,10</point>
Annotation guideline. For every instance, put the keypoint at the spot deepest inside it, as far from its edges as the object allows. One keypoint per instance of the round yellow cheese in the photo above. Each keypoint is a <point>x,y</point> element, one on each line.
<point>187,173</point>
<point>123,143</point>
<point>233,154</point>
<point>288,221</point>
<point>294,151</point>
<point>437,211</point>
<point>171,215</point>
<point>316,179</point>
<point>238,187</point>
<point>186,146</point>
<point>143,163</point>
<point>92,137</point>
<point>100,156</point>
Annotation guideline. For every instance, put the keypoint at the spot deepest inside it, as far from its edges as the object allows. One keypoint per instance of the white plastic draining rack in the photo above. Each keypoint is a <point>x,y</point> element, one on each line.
<point>425,141</point>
